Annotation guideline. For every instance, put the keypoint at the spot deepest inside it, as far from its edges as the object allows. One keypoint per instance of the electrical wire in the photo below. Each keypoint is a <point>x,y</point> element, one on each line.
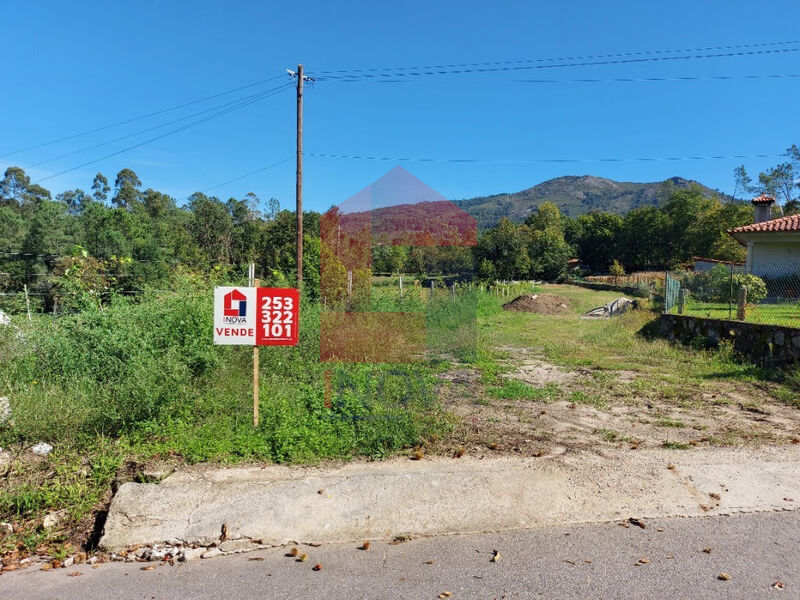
<point>590,63</point>
<point>140,132</point>
<point>261,170</point>
<point>542,160</point>
<point>142,117</point>
<point>171,132</point>
<point>570,58</point>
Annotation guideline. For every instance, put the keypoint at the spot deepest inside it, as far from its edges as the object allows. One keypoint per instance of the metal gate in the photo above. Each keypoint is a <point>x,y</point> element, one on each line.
<point>671,289</point>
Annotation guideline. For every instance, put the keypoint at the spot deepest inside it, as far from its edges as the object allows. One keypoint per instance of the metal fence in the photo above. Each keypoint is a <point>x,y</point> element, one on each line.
<point>768,293</point>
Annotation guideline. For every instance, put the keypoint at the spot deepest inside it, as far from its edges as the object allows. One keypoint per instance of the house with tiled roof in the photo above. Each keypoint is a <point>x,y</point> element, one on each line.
<point>772,244</point>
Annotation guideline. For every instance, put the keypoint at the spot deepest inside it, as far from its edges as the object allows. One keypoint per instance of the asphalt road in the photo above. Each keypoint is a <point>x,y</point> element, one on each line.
<point>576,561</point>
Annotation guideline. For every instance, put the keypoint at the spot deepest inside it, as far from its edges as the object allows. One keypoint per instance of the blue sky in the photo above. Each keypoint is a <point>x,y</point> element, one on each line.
<point>73,66</point>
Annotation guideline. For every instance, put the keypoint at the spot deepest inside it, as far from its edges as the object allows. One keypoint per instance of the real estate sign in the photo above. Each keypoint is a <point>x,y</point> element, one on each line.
<point>250,316</point>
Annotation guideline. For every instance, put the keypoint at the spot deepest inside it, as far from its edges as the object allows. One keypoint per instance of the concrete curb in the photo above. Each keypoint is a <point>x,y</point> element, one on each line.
<point>359,501</point>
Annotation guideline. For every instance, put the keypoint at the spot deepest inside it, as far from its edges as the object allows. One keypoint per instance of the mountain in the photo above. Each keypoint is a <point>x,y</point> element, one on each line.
<point>575,196</point>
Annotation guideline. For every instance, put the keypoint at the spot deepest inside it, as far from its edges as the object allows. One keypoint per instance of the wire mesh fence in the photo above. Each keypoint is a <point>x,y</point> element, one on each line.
<point>766,293</point>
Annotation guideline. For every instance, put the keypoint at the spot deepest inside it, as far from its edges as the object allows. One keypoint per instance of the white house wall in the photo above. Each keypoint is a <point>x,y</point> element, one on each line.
<point>773,258</point>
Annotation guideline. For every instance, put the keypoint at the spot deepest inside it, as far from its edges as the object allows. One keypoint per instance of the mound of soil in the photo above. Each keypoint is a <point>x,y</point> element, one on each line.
<point>541,304</point>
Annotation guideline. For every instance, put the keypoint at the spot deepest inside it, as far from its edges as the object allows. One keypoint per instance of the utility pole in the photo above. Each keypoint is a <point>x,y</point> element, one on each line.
<point>299,183</point>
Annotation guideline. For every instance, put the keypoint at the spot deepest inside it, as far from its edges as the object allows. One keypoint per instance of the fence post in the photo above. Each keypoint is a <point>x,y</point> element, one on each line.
<point>741,309</point>
<point>454,292</point>
<point>401,286</point>
<point>681,300</point>
<point>431,288</point>
<point>27,302</point>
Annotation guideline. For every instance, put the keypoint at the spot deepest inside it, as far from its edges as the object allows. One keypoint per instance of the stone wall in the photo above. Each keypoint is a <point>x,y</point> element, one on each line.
<point>762,344</point>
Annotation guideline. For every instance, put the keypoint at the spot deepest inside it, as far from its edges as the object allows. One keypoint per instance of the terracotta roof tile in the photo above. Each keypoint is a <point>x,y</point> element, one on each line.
<point>763,199</point>
<point>790,223</point>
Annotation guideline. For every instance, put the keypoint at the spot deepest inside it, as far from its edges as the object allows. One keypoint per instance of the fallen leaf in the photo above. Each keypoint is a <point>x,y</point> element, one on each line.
<point>777,585</point>
<point>637,522</point>
<point>569,562</point>
<point>320,492</point>
<point>365,545</point>
<point>644,561</point>
<point>493,446</point>
<point>660,529</point>
<point>317,567</point>
<point>445,594</point>
<point>46,567</point>
<point>587,560</point>
<point>303,557</point>
<point>671,467</point>
<point>670,556</point>
<point>10,568</point>
<point>724,577</point>
<point>257,558</point>
<point>224,533</point>
<point>314,544</point>
<point>400,539</point>
<point>796,440</point>
<point>148,568</point>
<point>74,574</point>
<point>418,455</point>
<point>788,500</point>
<point>495,556</point>
<point>430,562</point>
<point>707,550</point>
<point>293,552</point>
<point>458,453</point>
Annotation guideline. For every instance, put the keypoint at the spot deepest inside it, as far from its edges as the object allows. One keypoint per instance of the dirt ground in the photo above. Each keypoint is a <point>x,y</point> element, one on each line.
<point>571,419</point>
<point>540,304</point>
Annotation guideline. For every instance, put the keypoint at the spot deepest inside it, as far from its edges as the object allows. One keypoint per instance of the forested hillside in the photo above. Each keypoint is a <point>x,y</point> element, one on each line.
<point>575,196</point>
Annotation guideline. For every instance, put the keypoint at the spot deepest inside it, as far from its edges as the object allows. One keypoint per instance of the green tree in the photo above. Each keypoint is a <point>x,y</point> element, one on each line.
<point>212,227</point>
<point>597,244</point>
<point>505,247</point>
<point>100,188</point>
<point>126,189</point>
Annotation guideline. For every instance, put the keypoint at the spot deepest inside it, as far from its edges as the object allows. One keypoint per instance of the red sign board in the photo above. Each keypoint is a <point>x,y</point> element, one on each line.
<point>278,312</point>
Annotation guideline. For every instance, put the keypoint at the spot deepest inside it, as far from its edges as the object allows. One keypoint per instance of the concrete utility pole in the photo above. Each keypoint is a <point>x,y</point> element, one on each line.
<point>299,187</point>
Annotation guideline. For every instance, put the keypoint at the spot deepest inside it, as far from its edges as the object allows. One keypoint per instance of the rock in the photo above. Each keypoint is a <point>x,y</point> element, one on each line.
<point>4,318</point>
<point>42,449</point>
<point>6,528</point>
<point>211,553</point>
<point>51,520</point>
<point>91,560</point>
<point>240,545</point>
<point>69,561</point>
<point>192,554</point>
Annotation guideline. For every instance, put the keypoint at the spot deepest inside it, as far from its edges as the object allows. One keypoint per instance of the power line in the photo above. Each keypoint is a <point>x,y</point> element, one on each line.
<point>649,79</point>
<point>142,117</point>
<point>261,170</point>
<point>543,160</point>
<point>420,73</point>
<point>563,58</point>
<point>171,132</point>
<point>140,132</point>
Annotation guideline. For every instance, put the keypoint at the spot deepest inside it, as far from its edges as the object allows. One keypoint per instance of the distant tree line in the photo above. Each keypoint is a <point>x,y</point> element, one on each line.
<point>123,238</point>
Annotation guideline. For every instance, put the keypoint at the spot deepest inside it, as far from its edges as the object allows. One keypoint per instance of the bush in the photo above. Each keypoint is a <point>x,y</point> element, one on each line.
<point>719,285</point>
